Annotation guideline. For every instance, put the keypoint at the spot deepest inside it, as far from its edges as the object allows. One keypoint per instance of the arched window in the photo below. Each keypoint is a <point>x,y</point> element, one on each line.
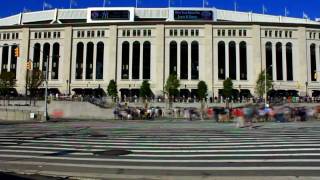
<point>89,61</point>
<point>146,59</point>
<point>5,58</point>
<point>289,62</point>
<point>136,60</point>
<point>46,54</point>
<point>100,57</point>
<point>221,60</point>
<point>125,60</point>
<point>173,57</point>
<point>279,61</point>
<point>184,60</point>
<point>269,67</point>
<point>79,60</point>
<point>194,60</point>
<point>13,65</point>
<point>243,61</point>
<point>55,61</point>
<point>232,61</point>
<point>313,62</point>
<point>36,56</point>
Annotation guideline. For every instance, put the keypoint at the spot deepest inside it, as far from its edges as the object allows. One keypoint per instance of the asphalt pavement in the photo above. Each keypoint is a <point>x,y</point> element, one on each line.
<point>161,150</point>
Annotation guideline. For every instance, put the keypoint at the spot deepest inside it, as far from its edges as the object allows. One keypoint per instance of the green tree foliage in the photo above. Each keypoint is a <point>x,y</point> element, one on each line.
<point>7,81</point>
<point>260,84</point>
<point>145,90</point>
<point>112,89</point>
<point>202,90</point>
<point>172,85</point>
<point>227,87</point>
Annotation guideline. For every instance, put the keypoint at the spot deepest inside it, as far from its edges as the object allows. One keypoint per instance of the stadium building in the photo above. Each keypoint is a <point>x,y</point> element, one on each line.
<point>89,47</point>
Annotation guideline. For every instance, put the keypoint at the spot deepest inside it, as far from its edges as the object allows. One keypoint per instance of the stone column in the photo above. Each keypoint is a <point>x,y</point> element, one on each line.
<point>67,65</point>
<point>227,59</point>
<point>284,62</point>
<point>119,62</point>
<point>24,54</point>
<point>159,60</point>
<point>94,68</point>
<point>84,63</point>
<point>178,59</point>
<point>130,60</point>
<point>50,62</point>
<point>206,67</point>
<point>9,59</point>
<point>41,56</point>
<point>300,50</point>
<point>238,61</point>
<point>274,62</point>
<point>73,62</point>
<point>141,62</point>
<point>110,67</point>
<point>189,60</point>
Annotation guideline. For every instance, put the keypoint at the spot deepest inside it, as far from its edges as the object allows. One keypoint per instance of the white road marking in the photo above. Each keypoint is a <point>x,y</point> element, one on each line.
<point>276,168</point>
<point>158,160</point>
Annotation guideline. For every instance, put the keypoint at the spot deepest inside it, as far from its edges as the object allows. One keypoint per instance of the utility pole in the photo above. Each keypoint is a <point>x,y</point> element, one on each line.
<point>46,90</point>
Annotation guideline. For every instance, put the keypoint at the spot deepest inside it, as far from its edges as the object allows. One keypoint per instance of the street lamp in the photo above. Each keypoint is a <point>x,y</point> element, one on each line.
<point>46,89</point>
<point>307,88</point>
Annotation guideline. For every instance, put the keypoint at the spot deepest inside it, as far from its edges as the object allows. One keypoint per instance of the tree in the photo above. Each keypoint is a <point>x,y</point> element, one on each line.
<point>145,91</point>
<point>202,90</point>
<point>260,84</point>
<point>171,87</point>
<point>34,80</point>
<point>227,87</point>
<point>112,89</point>
<point>202,93</point>
<point>7,81</point>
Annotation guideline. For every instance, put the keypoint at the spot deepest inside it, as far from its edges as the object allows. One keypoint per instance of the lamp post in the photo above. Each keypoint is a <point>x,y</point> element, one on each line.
<point>307,88</point>
<point>129,92</point>
<point>46,89</point>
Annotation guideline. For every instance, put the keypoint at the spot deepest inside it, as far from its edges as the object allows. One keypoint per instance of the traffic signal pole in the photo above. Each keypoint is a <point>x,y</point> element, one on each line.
<point>46,90</point>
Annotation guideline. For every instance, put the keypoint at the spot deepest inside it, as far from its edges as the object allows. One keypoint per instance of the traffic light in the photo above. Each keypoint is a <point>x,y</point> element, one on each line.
<point>16,52</point>
<point>29,65</point>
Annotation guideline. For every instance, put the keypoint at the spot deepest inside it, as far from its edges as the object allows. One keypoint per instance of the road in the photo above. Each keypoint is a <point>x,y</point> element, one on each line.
<point>161,150</point>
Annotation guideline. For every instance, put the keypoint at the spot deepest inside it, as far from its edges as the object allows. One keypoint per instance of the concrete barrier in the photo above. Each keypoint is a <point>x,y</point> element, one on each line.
<point>19,115</point>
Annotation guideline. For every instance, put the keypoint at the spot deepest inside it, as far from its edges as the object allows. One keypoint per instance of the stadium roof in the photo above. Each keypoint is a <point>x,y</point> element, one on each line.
<point>61,16</point>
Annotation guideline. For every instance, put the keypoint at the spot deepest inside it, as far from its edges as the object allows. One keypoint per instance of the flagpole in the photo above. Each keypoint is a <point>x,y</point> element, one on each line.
<point>70,4</point>
<point>43,5</point>
<point>235,6</point>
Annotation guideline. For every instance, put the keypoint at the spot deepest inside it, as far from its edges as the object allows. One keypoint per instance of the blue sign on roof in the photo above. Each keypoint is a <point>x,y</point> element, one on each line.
<point>193,15</point>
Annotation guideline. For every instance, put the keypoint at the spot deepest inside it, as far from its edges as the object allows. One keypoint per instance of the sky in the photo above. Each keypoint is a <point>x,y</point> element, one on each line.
<point>274,7</point>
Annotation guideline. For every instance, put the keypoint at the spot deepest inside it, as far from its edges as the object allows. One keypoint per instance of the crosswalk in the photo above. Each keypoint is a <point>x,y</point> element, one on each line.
<point>113,152</point>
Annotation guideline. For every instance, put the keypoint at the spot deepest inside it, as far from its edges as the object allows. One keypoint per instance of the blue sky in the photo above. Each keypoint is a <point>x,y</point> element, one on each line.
<point>276,7</point>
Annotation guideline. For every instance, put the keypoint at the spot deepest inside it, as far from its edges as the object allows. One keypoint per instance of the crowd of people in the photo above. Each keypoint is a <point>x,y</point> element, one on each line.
<point>242,115</point>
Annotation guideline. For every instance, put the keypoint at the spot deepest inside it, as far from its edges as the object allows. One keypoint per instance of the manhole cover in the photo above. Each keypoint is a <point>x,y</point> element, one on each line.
<point>113,152</point>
